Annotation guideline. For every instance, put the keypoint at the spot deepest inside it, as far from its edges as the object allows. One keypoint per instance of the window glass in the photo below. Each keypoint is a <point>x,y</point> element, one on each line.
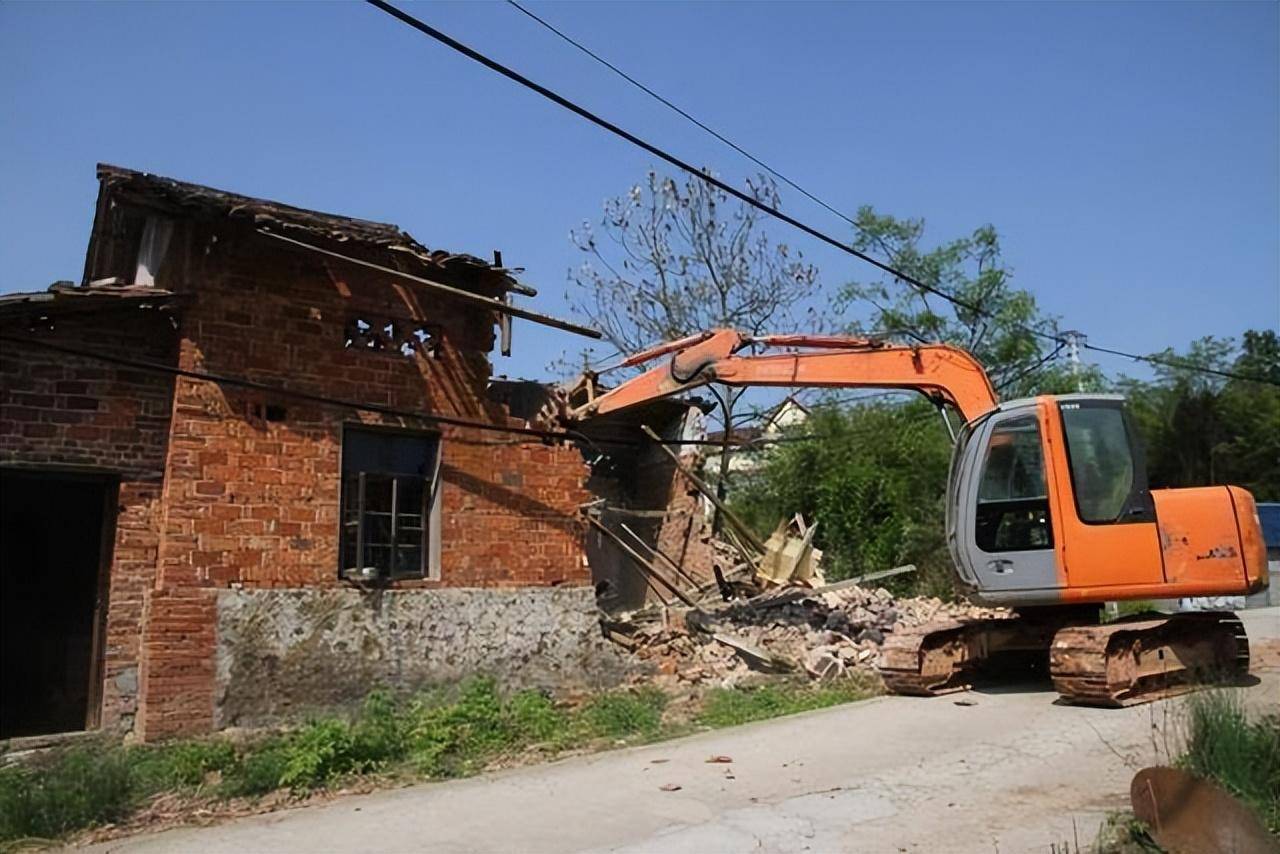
<point>1101,460</point>
<point>1015,462</point>
<point>386,495</point>
<point>1013,503</point>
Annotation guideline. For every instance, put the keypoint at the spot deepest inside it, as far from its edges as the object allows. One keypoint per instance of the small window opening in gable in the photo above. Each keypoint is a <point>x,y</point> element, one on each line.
<point>152,248</point>
<point>390,336</point>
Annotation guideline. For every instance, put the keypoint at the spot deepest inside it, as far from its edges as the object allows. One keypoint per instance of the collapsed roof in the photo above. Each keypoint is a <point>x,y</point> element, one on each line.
<point>197,201</point>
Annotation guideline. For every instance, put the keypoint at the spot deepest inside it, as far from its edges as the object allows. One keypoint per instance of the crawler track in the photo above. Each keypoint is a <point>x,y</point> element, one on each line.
<point>1120,664</point>
<point>1140,660</point>
<point>927,660</point>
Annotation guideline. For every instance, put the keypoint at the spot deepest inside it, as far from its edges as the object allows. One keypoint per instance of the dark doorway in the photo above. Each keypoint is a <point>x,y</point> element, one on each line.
<point>53,544</point>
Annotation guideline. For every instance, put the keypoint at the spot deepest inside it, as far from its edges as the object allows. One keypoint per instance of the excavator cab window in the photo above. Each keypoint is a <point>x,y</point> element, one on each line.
<point>1013,501</point>
<point>1108,476</point>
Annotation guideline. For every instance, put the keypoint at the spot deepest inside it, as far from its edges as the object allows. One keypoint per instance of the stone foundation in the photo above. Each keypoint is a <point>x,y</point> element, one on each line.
<point>284,653</point>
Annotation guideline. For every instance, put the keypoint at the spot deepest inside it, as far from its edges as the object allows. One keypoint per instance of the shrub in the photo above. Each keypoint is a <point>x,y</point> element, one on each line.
<point>1240,752</point>
<point>70,790</point>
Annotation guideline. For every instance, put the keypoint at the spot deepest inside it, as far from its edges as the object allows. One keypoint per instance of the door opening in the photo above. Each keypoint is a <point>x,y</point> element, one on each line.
<point>55,536</point>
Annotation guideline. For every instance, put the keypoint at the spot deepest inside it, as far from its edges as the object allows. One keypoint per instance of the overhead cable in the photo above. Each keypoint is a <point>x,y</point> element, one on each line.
<point>746,198</point>
<point>643,88</point>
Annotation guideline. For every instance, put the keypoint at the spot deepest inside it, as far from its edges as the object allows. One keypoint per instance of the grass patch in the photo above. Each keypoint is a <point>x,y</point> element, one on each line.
<point>729,707</point>
<point>1240,752</point>
<point>436,734</point>
<point>1130,608</point>
<point>94,784</point>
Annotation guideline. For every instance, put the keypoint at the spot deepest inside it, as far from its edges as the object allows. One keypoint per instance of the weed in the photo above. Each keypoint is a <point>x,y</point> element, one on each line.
<point>618,714</point>
<point>445,732</point>
<point>1122,833</point>
<point>1130,608</point>
<point>257,772</point>
<point>319,752</point>
<point>533,717</point>
<point>1241,753</point>
<point>71,790</point>
<point>182,765</point>
<point>730,707</point>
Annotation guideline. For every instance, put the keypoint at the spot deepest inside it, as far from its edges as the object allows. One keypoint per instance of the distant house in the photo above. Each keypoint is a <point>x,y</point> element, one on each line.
<point>752,441</point>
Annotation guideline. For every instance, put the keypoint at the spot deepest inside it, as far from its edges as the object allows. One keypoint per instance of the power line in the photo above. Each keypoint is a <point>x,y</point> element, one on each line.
<point>746,198</point>
<point>326,400</point>
<point>634,82</point>
<point>309,397</point>
<point>1182,366</point>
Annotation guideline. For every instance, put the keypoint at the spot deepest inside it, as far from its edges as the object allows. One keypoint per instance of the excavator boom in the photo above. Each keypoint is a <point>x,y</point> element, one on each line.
<point>943,373</point>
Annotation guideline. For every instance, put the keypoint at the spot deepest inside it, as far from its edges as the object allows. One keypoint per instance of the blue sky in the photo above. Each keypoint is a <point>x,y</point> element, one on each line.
<point>1127,153</point>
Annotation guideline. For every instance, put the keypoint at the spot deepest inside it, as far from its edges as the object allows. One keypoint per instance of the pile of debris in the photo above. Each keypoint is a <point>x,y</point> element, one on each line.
<point>824,632</point>
<point>762,606</point>
<point>741,563</point>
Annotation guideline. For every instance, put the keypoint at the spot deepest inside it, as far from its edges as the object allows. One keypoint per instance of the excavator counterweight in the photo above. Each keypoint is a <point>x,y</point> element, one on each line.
<point>1048,513</point>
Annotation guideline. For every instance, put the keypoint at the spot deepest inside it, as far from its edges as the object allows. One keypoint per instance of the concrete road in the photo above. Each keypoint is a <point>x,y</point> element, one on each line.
<point>998,771</point>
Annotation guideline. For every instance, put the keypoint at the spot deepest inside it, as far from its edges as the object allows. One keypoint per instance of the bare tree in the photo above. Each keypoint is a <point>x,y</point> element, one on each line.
<point>670,259</point>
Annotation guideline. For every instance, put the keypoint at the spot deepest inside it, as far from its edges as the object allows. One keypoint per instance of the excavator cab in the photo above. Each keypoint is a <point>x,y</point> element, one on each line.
<point>1049,504</point>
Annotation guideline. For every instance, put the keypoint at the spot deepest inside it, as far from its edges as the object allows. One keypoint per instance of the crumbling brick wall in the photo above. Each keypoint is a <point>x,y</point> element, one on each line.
<point>67,412</point>
<point>252,502</point>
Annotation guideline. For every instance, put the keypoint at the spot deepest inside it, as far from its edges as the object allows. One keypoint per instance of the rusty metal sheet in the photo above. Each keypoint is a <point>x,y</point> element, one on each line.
<point>1188,815</point>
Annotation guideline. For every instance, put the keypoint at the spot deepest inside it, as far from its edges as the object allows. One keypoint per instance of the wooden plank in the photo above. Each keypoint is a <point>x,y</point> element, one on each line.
<point>745,532</point>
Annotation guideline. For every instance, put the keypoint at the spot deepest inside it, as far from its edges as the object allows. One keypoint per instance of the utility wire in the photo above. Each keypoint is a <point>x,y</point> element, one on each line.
<point>281,391</point>
<point>643,88</point>
<point>1021,375</point>
<point>325,400</point>
<point>1181,365</point>
<point>745,198</point>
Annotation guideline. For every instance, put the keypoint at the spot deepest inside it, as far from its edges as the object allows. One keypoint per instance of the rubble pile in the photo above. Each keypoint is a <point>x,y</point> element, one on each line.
<point>824,633</point>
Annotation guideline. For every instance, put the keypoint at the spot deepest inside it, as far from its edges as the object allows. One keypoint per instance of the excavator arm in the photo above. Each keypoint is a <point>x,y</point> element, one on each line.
<point>1033,534</point>
<point>942,373</point>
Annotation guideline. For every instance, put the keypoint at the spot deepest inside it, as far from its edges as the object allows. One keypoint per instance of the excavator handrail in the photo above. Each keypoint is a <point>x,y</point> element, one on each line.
<point>939,371</point>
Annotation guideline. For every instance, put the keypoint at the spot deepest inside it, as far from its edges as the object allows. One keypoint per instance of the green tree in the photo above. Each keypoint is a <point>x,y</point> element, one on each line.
<point>873,479</point>
<point>1201,428</point>
<point>1001,332</point>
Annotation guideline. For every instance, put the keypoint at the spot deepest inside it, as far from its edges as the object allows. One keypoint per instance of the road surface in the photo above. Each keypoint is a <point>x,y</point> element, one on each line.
<point>1012,772</point>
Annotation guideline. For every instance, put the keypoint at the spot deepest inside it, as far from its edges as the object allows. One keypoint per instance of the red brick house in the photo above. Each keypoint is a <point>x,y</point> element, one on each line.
<point>218,501</point>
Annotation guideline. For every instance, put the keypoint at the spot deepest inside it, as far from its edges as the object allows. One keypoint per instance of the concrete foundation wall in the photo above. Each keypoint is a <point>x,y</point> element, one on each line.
<point>283,653</point>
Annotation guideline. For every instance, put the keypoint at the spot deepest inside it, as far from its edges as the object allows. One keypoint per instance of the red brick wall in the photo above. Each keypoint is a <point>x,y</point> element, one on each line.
<point>60,411</point>
<point>254,503</point>
<point>685,534</point>
<point>177,662</point>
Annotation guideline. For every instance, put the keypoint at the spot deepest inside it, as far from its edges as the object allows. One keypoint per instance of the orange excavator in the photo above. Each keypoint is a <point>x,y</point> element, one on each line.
<point>1048,514</point>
